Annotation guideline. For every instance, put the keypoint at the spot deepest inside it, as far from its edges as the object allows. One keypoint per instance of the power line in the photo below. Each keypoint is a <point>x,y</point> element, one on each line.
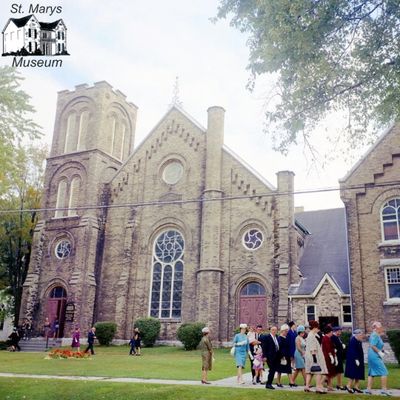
<point>202,200</point>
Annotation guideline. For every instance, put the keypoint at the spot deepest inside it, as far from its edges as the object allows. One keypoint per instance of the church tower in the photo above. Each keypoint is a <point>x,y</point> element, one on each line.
<point>93,135</point>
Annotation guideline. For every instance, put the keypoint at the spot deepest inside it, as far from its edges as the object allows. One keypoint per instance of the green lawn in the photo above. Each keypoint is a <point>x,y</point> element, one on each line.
<point>158,362</point>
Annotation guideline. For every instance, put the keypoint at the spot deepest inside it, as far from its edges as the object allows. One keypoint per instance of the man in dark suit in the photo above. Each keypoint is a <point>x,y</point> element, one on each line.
<point>270,349</point>
<point>90,340</point>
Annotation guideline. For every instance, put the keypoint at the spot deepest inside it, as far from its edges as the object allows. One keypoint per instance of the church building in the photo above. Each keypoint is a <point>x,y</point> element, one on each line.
<point>178,228</point>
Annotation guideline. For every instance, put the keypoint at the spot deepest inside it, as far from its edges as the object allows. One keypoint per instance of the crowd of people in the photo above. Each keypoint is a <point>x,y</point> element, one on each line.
<point>305,351</point>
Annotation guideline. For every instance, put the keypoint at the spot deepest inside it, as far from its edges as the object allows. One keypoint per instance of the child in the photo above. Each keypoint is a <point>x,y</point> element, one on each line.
<point>132,352</point>
<point>137,338</point>
<point>258,365</point>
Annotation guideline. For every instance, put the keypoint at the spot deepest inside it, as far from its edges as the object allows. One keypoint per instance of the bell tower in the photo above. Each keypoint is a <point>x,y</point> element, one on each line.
<point>93,135</point>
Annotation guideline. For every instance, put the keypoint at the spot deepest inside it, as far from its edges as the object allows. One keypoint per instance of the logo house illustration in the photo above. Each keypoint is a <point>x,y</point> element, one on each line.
<point>27,36</point>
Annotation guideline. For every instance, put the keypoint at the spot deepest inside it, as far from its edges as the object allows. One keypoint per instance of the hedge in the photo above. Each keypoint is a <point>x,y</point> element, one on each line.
<point>190,334</point>
<point>149,330</point>
<point>105,332</point>
<point>394,340</point>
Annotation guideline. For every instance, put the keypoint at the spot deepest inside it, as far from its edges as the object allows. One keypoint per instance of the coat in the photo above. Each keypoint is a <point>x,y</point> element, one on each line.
<point>313,347</point>
<point>355,352</point>
<point>206,353</point>
<point>329,352</point>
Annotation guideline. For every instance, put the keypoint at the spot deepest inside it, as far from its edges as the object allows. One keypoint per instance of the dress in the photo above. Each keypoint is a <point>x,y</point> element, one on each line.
<point>329,351</point>
<point>284,366</point>
<point>355,352</point>
<point>75,340</point>
<point>206,353</point>
<point>298,357</point>
<point>258,363</point>
<point>241,344</point>
<point>313,346</point>
<point>376,367</point>
<point>291,337</point>
<point>338,345</point>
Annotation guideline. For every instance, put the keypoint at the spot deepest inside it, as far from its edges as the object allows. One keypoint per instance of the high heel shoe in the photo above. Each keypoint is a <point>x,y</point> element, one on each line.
<point>206,383</point>
<point>307,390</point>
<point>355,390</point>
<point>293,385</point>
<point>349,389</point>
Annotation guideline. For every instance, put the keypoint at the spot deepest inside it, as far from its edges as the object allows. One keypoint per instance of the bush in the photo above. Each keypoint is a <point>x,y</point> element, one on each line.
<point>394,340</point>
<point>105,332</point>
<point>149,330</point>
<point>190,334</point>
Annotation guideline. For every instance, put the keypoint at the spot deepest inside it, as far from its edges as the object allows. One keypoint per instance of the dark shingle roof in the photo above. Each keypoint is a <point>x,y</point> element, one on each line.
<point>20,22</point>
<point>49,26</point>
<point>325,250</point>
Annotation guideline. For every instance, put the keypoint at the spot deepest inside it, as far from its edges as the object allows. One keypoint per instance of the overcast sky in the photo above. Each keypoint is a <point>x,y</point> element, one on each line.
<point>140,46</point>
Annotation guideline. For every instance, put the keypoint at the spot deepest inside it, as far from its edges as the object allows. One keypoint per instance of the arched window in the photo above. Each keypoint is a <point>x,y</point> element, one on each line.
<point>391,220</point>
<point>61,198</point>
<point>82,132</point>
<point>58,292</point>
<point>74,195</point>
<point>71,138</point>
<point>252,289</point>
<point>167,281</point>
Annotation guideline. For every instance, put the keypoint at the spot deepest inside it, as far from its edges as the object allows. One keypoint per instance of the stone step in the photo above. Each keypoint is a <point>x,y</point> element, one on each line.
<point>39,344</point>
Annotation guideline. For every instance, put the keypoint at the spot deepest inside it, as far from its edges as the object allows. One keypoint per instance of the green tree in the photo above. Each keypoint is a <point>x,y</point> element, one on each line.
<point>16,223</point>
<point>15,121</point>
<point>327,56</point>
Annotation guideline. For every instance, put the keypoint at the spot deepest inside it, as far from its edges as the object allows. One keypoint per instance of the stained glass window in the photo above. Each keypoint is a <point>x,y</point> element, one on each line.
<point>63,249</point>
<point>167,282</point>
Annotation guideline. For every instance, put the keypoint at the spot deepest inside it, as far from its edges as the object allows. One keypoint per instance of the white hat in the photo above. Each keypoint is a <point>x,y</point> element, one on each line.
<point>284,327</point>
<point>243,326</point>
<point>206,329</point>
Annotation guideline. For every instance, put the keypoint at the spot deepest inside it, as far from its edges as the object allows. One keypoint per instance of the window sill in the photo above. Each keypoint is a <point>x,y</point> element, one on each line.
<point>389,243</point>
<point>392,302</point>
<point>171,320</point>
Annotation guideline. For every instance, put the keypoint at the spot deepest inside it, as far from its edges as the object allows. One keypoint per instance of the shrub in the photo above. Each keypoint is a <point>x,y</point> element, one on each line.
<point>190,334</point>
<point>105,332</point>
<point>149,330</point>
<point>394,340</point>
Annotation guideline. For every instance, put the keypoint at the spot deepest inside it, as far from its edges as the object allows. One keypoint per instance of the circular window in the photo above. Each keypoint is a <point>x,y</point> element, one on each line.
<point>63,249</point>
<point>172,172</point>
<point>253,239</point>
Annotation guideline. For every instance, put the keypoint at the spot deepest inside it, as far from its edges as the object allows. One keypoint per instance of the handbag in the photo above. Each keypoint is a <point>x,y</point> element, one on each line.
<point>315,368</point>
<point>233,351</point>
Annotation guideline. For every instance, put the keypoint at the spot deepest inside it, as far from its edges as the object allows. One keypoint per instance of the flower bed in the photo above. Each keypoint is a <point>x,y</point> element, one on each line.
<point>60,353</point>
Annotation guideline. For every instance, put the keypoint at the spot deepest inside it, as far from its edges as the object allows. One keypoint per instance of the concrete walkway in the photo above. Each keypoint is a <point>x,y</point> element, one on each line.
<point>227,382</point>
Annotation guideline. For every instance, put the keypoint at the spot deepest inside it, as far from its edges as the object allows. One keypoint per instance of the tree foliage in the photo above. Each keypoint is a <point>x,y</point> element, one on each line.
<point>15,121</point>
<point>16,224</point>
<point>327,55</point>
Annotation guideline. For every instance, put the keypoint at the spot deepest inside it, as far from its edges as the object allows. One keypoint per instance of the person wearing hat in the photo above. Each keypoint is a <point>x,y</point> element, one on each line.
<point>206,354</point>
<point>354,369</point>
<point>242,348</point>
<point>270,348</point>
<point>299,353</point>
<point>339,353</point>
<point>329,353</point>
<point>285,364</point>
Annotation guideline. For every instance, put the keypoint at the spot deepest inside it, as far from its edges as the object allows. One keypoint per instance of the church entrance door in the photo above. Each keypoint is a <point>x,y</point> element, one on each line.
<point>253,305</point>
<point>56,310</point>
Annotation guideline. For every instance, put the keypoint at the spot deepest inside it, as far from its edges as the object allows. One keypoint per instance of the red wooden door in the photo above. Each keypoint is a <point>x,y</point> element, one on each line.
<point>253,310</point>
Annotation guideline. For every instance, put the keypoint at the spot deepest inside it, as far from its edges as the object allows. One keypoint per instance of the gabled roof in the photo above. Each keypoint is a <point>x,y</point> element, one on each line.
<point>49,26</point>
<point>19,22</point>
<point>325,252</point>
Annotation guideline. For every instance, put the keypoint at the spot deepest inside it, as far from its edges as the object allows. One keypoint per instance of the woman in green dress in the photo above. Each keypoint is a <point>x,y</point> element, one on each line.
<point>206,354</point>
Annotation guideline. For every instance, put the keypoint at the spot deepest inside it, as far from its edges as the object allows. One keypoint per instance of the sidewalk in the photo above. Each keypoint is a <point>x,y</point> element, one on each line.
<point>227,382</point>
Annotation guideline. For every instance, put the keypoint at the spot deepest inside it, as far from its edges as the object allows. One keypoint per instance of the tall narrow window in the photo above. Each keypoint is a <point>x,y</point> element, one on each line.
<point>310,312</point>
<point>61,198</point>
<point>346,313</point>
<point>167,281</point>
<point>392,276</point>
<point>71,134</point>
<point>390,220</point>
<point>82,132</point>
<point>74,196</point>
<point>112,125</point>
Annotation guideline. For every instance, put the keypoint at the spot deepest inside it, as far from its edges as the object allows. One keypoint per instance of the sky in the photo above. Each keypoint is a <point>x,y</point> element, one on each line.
<point>140,47</point>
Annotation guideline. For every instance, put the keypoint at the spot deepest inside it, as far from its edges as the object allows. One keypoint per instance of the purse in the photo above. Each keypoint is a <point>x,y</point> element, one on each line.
<point>233,351</point>
<point>315,368</point>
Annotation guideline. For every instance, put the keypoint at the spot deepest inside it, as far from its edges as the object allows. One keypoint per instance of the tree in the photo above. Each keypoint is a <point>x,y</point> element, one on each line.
<point>328,56</point>
<point>16,223</point>
<point>15,123</point>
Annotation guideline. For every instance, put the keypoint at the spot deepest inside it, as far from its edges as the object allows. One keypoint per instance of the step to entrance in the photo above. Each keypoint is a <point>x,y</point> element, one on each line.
<point>39,344</point>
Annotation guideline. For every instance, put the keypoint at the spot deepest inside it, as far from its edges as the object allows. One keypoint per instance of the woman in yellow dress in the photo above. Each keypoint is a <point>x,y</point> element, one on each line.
<point>206,354</point>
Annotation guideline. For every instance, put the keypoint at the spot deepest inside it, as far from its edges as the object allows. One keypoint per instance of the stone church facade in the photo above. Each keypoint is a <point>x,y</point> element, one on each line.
<point>178,228</point>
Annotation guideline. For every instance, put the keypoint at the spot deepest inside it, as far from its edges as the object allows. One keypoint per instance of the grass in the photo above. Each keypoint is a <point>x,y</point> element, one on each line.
<point>31,389</point>
<point>159,362</point>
